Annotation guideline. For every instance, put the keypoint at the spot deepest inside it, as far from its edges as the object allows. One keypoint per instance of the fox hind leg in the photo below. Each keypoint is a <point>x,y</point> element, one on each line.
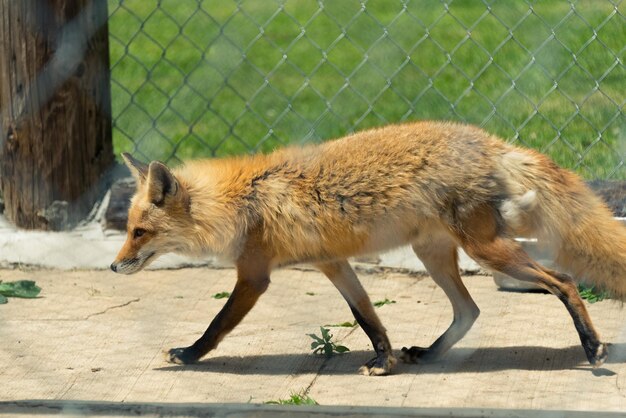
<point>345,280</point>
<point>482,239</point>
<point>439,256</point>
<point>508,257</point>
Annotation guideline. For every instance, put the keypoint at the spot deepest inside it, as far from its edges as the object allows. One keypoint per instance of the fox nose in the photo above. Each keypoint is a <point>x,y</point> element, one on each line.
<point>114,267</point>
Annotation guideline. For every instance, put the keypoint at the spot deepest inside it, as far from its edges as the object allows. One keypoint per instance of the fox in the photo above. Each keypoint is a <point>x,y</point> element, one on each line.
<point>434,185</point>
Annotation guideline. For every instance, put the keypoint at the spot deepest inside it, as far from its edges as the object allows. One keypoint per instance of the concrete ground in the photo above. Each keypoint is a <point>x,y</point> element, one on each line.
<point>98,336</point>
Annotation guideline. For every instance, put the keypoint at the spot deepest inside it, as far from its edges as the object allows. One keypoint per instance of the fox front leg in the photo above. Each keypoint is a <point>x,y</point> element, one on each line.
<point>345,280</point>
<point>252,281</point>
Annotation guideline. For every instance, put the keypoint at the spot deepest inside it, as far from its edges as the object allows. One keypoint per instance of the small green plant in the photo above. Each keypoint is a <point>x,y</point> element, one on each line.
<point>300,398</point>
<point>18,289</point>
<point>380,303</point>
<point>590,294</point>
<point>310,293</point>
<point>221,295</point>
<point>346,324</point>
<point>324,345</point>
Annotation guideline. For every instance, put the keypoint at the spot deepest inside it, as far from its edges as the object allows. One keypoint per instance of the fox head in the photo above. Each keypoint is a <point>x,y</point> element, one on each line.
<point>157,218</point>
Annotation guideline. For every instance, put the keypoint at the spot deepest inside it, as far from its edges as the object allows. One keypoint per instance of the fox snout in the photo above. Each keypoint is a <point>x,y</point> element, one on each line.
<point>133,264</point>
<point>125,266</point>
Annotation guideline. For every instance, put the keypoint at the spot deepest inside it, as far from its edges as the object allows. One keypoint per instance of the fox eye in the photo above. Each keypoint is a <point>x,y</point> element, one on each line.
<point>138,232</point>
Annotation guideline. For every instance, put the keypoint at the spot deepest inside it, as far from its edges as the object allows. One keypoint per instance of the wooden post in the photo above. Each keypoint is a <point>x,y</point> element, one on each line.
<point>55,110</point>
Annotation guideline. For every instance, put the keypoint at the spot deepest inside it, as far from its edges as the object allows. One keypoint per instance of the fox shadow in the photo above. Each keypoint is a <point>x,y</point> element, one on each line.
<point>457,360</point>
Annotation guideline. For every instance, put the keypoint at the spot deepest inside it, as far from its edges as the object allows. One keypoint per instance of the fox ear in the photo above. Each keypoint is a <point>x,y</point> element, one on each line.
<point>138,169</point>
<point>161,183</point>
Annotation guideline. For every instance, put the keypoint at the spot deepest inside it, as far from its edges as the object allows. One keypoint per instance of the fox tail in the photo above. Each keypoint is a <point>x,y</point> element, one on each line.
<point>576,227</point>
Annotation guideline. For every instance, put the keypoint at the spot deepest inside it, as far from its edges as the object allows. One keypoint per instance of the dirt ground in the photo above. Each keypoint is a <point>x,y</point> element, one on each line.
<point>98,336</point>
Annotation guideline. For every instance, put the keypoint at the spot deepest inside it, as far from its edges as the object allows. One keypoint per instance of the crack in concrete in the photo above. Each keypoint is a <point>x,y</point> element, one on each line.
<point>321,368</point>
<point>618,386</point>
<point>384,270</point>
<point>111,308</point>
<point>317,375</point>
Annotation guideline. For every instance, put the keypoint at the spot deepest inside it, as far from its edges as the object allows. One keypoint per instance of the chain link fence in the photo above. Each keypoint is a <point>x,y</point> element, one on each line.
<point>196,78</point>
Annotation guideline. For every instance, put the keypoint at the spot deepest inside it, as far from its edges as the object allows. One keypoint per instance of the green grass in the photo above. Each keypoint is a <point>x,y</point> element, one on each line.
<point>200,80</point>
<point>300,398</point>
<point>221,295</point>
<point>384,302</point>
<point>325,345</point>
<point>591,294</point>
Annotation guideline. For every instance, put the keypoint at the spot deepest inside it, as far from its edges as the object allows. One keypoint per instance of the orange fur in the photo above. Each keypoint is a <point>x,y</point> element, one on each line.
<point>373,191</point>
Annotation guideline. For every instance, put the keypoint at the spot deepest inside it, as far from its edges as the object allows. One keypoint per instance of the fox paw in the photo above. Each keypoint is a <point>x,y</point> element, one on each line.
<point>378,366</point>
<point>416,355</point>
<point>599,357</point>
<point>181,355</point>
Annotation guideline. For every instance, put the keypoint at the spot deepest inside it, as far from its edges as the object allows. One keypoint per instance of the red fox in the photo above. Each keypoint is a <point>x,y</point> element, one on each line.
<point>434,185</point>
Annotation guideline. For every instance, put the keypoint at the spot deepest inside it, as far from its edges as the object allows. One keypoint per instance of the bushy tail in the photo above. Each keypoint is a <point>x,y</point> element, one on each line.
<point>593,249</point>
<point>559,209</point>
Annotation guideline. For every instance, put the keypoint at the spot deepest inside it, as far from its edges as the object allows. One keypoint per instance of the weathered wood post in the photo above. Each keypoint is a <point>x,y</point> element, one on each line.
<point>55,110</point>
